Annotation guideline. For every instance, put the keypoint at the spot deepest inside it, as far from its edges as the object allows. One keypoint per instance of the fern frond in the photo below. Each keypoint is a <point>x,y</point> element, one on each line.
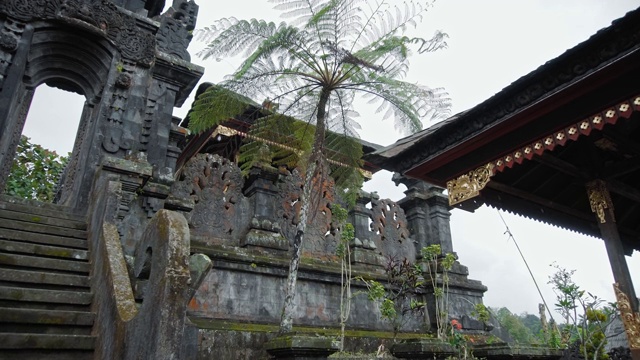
<point>215,106</point>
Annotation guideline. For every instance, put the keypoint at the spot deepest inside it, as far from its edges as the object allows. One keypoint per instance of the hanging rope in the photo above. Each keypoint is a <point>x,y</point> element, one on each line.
<point>508,232</point>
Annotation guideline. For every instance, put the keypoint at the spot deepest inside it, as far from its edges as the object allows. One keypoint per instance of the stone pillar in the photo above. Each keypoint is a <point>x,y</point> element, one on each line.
<point>15,40</point>
<point>428,214</point>
<point>363,247</point>
<point>264,227</point>
<point>427,211</point>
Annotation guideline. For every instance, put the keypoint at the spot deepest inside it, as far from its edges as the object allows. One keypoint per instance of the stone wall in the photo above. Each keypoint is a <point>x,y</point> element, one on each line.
<point>245,225</point>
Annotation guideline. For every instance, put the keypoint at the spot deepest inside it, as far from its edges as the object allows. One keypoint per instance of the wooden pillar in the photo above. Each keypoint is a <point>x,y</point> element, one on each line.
<point>602,206</point>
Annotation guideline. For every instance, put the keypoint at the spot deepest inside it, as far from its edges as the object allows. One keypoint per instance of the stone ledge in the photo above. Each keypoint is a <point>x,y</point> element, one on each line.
<point>504,351</point>
<point>301,347</point>
<point>429,348</point>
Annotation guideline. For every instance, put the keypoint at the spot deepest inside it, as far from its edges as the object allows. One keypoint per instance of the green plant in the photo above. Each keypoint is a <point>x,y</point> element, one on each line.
<point>313,70</point>
<point>586,316</point>
<point>459,341</point>
<point>481,313</point>
<point>35,172</point>
<point>401,297</point>
<point>437,269</point>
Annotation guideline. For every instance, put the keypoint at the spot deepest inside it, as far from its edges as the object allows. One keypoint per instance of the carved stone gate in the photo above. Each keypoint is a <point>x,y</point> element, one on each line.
<point>127,60</point>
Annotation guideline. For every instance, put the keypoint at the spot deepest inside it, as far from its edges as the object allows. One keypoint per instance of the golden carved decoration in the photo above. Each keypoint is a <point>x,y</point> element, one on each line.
<point>469,185</point>
<point>226,131</point>
<point>599,199</point>
<point>630,319</point>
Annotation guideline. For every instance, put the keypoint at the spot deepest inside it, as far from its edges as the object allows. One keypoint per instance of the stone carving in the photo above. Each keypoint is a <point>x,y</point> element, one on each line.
<point>156,92</point>
<point>9,36</point>
<point>319,221</point>
<point>176,27</point>
<point>389,227</point>
<point>215,186</point>
<point>134,43</point>
<point>114,137</point>
<point>15,137</point>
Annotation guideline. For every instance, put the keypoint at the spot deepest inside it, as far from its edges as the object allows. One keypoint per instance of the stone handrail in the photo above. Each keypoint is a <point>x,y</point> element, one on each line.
<point>114,303</point>
<point>124,330</point>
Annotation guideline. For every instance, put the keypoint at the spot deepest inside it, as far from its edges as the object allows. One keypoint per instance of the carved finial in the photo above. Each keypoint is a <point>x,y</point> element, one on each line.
<point>599,199</point>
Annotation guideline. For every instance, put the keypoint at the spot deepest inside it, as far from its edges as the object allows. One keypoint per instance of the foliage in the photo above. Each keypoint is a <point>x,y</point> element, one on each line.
<point>35,172</point>
<point>312,70</point>
<point>459,341</point>
<point>400,298</point>
<point>481,312</point>
<point>515,326</point>
<point>439,264</point>
<point>586,316</point>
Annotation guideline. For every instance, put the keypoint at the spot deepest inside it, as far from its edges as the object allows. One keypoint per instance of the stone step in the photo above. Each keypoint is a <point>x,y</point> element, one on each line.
<point>23,354</point>
<point>42,229</point>
<point>25,261</point>
<point>46,341</point>
<point>43,250</point>
<point>45,296</point>
<point>47,239</point>
<point>40,208</point>
<point>40,277</point>
<point>41,219</point>
<point>43,306</point>
<point>22,328</point>
<point>45,317</point>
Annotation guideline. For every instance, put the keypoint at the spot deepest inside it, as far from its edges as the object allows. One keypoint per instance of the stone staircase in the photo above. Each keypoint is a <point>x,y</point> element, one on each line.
<point>45,294</point>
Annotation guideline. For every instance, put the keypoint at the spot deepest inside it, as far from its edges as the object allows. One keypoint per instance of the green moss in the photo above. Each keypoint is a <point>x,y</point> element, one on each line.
<point>272,328</point>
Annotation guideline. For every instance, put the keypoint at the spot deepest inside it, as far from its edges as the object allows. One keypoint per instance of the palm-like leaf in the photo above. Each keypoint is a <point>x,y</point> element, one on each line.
<point>313,68</point>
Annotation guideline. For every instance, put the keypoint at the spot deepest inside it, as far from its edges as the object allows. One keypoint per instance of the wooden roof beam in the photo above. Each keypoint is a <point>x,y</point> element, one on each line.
<point>623,167</point>
<point>539,200</point>
<point>622,141</point>
<point>562,166</point>
<point>624,190</point>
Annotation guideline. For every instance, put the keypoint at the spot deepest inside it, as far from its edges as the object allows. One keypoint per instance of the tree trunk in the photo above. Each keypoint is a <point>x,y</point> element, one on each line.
<point>288,309</point>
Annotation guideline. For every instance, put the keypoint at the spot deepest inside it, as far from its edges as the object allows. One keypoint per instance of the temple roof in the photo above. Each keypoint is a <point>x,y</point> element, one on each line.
<point>612,51</point>
<point>542,138</point>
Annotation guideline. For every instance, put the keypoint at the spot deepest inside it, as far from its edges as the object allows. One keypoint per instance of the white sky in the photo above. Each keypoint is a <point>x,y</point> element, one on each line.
<point>492,43</point>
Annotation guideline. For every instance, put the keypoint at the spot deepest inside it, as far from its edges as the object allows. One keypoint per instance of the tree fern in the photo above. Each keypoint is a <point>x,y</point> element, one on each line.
<point>313,67</point>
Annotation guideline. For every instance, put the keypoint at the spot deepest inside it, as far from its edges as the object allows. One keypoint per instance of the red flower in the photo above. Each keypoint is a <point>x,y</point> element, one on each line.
<point>456,324</point>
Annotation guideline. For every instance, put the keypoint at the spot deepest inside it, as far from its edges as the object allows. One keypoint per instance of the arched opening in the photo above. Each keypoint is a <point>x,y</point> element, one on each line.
<point>66,71</point>
<point>46,144</point>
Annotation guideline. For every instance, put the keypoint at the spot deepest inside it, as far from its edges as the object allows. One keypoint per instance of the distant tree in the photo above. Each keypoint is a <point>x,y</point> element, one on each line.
<point>35,172</point>
<point>532,322</point>
<point>312,70</point>
<point>515,326</point>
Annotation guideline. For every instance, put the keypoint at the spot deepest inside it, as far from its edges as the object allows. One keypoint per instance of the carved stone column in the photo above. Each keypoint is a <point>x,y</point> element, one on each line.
<point>14,98</point>
<point>363,247</point>
<point>264,227</point>
<point>427,211</point>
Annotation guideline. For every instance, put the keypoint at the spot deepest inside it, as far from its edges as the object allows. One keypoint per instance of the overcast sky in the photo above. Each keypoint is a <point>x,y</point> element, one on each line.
<point>491,44</point>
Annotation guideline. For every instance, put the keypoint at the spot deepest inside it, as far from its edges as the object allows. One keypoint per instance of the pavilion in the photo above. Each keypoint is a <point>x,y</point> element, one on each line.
<point>560,145</point>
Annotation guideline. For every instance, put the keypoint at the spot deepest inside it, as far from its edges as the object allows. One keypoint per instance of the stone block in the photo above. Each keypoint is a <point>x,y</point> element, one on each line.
<point>299,347</point>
